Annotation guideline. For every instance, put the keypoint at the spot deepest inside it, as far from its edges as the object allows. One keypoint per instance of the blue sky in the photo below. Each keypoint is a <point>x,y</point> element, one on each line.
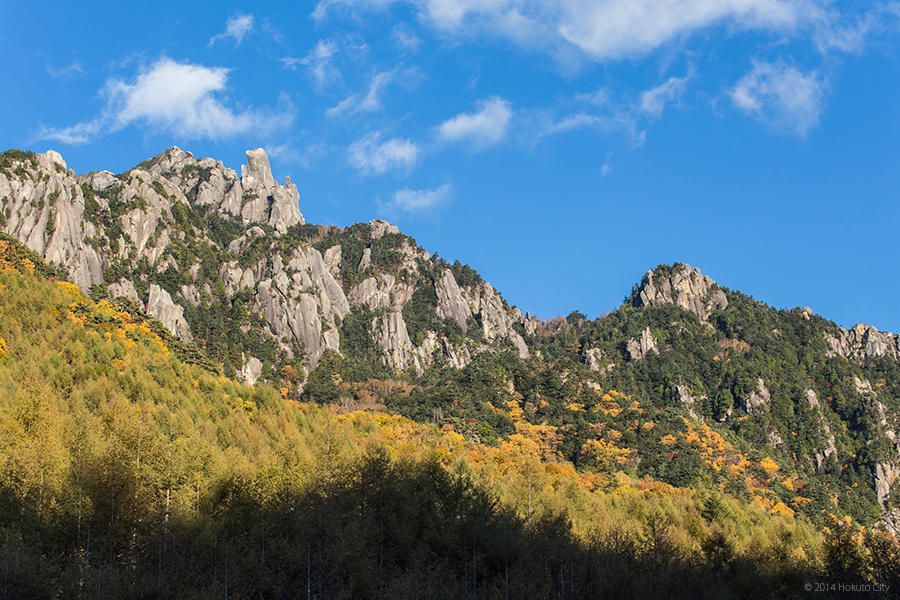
<point>561,148</point>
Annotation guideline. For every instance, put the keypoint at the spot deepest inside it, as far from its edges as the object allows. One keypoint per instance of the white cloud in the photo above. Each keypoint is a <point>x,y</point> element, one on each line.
<point>484,128</point>
<point>372,156</point>
<point>416,201</point>
<point>781,96</point>
<point>236,28</point>
<point>654,100</point>
<point>180,98</point>
<point>619,28</point>
<point>600,29</point>
<point>318,62</point>
<point>368,102</point>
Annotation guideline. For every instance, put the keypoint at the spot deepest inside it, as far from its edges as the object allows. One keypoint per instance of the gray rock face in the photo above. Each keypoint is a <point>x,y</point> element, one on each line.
<point>759,399</point>
<point>885,473</point>
<point>593,358</point>
<point>684,287</point>
<point>379,228</point>
<point>161,306</point>
<point>393,337</point>
<point>251,370</point>
<point>451,303</point>
<point>301,300</point>
<point>46,212</point>
<point>124,289</point>
<point>497,319</point>
<point>828,448</point>
<point>862,342</point>
<point>267,202</point>
<point>687,400</point>
<point>638,349</point>
<point>332,258</point>
<point>256,197</point>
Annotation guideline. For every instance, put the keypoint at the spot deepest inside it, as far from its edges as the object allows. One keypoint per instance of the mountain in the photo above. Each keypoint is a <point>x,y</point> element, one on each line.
<point>127,473</point>
<point>687,383</point>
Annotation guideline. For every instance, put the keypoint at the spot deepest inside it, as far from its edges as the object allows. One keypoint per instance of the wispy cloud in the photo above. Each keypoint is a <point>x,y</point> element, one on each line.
<point>486,127</point>
<point>654,100</point>
<point>849,33</point>
<point>287,152</point>
<point>418,201</point>
<point>372,156</point>
<point>781,96</point>
<point>236,28</point>
<point>319,63</point>
<point>605,112</point>
<point>72,70</point>
<point>613,121</point>
<point>405,39</point>
<point>80,133</point>
<point>179,98</point>
<point>369,101</point>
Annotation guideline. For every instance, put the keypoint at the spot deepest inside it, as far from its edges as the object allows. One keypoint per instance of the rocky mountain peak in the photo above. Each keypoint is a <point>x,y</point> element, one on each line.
<point>255,196</point>
<point>257,173</point>
<point>51,160</point>
<point>682,285</point>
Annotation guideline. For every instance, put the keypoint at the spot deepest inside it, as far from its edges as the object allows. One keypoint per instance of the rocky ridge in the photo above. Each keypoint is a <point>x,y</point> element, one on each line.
<point>683,286</point>
<point>148,235</point>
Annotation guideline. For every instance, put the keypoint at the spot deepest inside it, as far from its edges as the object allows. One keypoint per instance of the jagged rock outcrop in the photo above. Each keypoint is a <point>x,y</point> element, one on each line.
<point>885,472</point>
<point>496,318</point>
<point>638,349</point>
<point>759,399</point>
<point>887,475</point>
<point>383,291</point>
<point>161,306</point>
<point>393,337</point>
<point>829,448</point>
<point>862,342</point>
<point>48,210</point>
<point>301,300</point>
<point>683,286</point>
<point>45,209</point>
<point>255,197</point>
<point>379,228</point>
<point>593,358</point>
<point>451,303</point>
<point>124,289</point>
<point>686,399</point>
<point>87,223</point>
